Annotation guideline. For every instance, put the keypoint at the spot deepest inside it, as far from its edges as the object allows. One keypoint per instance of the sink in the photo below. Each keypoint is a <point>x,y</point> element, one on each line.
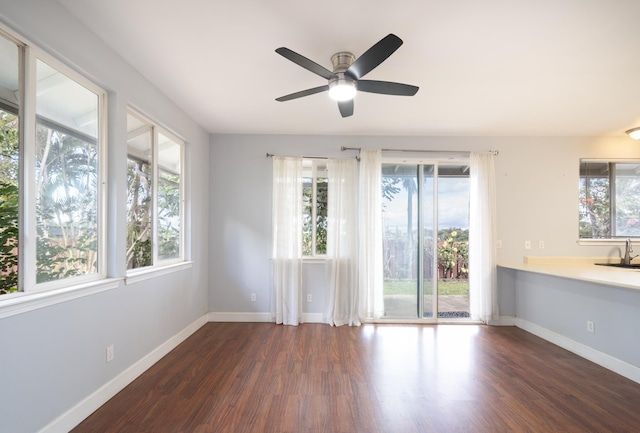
<point>621,265</point>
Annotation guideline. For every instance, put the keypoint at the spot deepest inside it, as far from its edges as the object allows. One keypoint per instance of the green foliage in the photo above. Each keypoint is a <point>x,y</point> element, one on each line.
<point>55,262</point>
<point>453,252</point>
<point>8,238</point>
<point>389,187</point>
<point>139,224</point>
<point>9,202</point>
<point>595,218</point>
<point>627,206</point>
<point>451,287</point>
<point>458,234</point>
<point>9,148</point>
<point>66,205</point>
<point>321,220</point>
<point>168,216</point>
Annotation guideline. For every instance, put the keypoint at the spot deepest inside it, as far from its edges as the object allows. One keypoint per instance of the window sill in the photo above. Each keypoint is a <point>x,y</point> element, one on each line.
<point>314,260</point>
<point>22,302</point>
<point>153,272</point>
<point>605,242</point>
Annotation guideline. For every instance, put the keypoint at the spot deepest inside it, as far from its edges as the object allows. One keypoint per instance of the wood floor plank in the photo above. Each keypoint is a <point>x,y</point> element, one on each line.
<point>259,377</point>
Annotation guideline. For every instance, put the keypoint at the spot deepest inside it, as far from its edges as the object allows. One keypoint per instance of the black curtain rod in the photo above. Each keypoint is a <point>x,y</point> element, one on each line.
<point>343,148</point>
<point>271,155</point>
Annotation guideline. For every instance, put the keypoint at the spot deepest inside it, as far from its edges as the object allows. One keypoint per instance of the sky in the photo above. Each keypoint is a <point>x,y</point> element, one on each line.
<point>453,206</point>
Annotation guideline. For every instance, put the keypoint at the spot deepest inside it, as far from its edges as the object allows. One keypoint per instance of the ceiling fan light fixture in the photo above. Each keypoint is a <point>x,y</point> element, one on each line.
<point>634,133</point>
<point>342,89</point>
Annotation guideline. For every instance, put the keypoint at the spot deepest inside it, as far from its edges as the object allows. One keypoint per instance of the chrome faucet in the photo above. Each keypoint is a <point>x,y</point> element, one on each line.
<point>627,253</point>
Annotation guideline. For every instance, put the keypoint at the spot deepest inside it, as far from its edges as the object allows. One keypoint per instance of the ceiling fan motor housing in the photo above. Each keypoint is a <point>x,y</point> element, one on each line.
<point>341,61</point>
<point>342,87</point>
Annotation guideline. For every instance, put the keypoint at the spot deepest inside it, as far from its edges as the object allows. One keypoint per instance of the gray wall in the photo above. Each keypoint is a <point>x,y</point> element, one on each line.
<point>537,189</point>
<point>563,306</point>
<point>54,357</point>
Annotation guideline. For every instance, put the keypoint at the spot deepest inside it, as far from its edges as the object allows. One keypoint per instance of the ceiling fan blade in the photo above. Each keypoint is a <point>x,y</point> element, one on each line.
<point>374,56</point>
<point>387,88</point>
<point>302,93</point>
<point>309,65</point>
<point>346,108</point>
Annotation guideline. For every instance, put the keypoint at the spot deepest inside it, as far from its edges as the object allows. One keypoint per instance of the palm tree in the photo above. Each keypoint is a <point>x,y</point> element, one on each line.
<point>139,200</point>
<point>66,205</point>
<point>409,184</point>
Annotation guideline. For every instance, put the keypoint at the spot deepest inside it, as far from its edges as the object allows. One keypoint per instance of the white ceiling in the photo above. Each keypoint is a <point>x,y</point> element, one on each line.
<point>484,68</point>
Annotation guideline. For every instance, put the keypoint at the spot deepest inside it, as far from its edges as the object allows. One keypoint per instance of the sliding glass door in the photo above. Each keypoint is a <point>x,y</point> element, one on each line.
<point>425,217</point>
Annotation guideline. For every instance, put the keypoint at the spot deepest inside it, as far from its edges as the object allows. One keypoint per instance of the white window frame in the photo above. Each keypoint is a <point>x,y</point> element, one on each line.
<point>28,178</point>
<point>614,240</point>
<point>161,266</point>
<point>30,295</point>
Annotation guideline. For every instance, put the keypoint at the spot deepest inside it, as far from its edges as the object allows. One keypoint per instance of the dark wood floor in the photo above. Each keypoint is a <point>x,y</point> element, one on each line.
<point>258,377</point>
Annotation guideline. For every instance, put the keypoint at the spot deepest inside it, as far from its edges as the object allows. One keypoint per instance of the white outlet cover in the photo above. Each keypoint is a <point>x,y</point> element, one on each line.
<point>110,353</point>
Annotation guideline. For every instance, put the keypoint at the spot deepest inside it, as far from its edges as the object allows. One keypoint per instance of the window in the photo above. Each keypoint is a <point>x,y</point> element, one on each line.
<point>50,174</point>
<point>67,197</point>
<point>155,216</point>
<point>314,199</point>
<point>608,199</point>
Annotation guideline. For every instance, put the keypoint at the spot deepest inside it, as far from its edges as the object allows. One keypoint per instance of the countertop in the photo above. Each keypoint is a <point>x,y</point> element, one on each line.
<point>580,268</point>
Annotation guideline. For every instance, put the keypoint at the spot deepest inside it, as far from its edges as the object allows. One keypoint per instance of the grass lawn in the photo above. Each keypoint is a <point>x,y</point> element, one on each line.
<point>445,287</point>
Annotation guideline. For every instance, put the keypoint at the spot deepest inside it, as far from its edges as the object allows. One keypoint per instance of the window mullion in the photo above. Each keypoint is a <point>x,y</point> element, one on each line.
<point>420,240</point>
<point>183,201</point>
<point>102,153</point>
<point>314,208</point>
<point>436,273</point>
<point>154,196</point>
<point>612,200</point>
<point>28,193</point>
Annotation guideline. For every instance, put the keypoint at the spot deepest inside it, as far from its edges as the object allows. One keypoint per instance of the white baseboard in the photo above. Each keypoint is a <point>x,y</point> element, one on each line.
<point>86,407</point>
<point>503,321</point>
<point>239,317</point>
<point>607,361</point>
<point>312,318</point>
<point>258,317</point>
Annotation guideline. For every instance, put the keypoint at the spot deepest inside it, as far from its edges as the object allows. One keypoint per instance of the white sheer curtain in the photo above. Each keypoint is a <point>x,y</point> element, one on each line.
<point>286,290</point>
<point>341,295</point>
<point>483,297</point>
<point>371,303</point>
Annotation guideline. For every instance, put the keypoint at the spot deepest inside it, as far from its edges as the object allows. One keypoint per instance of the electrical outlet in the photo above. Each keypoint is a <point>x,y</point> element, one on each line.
<point>541,245</point>
<point>498,244</point>
<point>309,298</point>
<point>527,245</point>
<point>253,297</point>
<point>110,353</point>
<point>591,327</point>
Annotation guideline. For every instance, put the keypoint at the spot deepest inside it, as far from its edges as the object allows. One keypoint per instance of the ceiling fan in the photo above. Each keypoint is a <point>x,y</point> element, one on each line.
<point>345,80</point>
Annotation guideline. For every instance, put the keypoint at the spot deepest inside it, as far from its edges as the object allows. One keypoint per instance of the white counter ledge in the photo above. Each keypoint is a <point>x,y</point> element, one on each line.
<point>580,268</point>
